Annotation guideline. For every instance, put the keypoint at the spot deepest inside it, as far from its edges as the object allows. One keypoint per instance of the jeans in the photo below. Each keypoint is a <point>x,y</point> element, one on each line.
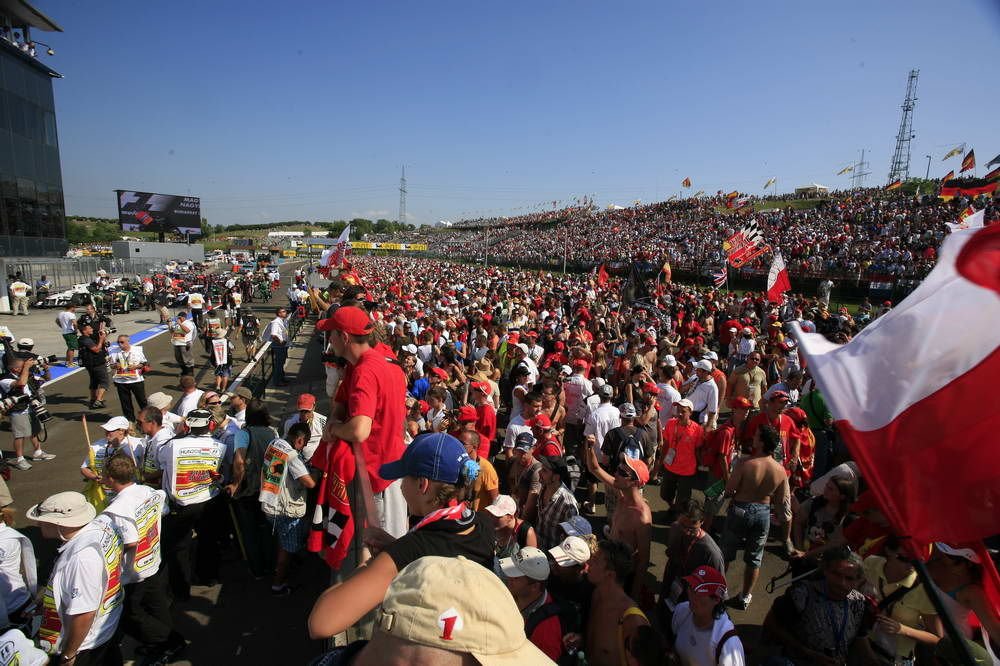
<point>749,522</point>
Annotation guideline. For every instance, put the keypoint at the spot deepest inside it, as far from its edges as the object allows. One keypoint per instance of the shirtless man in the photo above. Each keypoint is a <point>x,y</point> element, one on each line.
<point>757,482</point>
<point>632,521</point>
<point>615,618</point>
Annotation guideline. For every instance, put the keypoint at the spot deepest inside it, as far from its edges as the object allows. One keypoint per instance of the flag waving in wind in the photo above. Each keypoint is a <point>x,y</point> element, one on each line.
<point>720,276</point>
<point>686,182</point>
<point>333,257</point>
<point>957,150</point>
<point>769,183</point>
<point>847,169</point>
<point>777,280</point>
<point>901,391</point>
<point>968,162</point>
<point>968,219</point>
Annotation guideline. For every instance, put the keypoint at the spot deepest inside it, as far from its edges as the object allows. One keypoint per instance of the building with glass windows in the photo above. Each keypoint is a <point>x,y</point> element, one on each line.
<point>32,212</point>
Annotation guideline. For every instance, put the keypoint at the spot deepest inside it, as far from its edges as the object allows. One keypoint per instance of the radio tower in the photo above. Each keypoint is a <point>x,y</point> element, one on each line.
<point>899,168</point>
<point>402,197</point>
<point>860,172</point>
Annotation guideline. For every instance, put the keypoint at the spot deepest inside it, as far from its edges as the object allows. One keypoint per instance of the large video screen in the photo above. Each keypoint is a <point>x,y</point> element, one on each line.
<point>144,211</point>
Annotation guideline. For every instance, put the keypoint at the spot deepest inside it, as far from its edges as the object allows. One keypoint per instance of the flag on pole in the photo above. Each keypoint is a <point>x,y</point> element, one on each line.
<point>847,169</point>
<point>777,279</point>
<point>970,187</point>
<point>894,185</point>
<point>995,160</point>
<point>745,245</point>
<point>733,195</point>
<point>769,183</point>
<point>957,150</point>
<point>968,219</point>
<point>720,276</point>
<point>895,396</point>
<point>992,175</point>
<point>333,257</point>
<point>968,162</point>
<point>948,176</point>
<point>686,182</point>
<point>602,276</point>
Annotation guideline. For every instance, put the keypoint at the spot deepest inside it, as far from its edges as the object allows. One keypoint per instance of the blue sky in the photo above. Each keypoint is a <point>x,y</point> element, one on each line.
<point>307,110</point>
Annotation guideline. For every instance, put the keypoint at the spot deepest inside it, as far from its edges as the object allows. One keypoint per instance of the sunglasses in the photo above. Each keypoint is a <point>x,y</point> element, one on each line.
<point>213,404</point>
<point>627,472</point>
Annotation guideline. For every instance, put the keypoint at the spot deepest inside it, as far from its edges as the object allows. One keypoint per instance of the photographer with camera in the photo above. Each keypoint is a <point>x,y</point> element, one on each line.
<point>94,358</point>
<point>15,387</point>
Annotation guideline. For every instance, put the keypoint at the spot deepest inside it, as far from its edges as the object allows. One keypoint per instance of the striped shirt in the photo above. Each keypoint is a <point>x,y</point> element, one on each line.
<point>561,507</point>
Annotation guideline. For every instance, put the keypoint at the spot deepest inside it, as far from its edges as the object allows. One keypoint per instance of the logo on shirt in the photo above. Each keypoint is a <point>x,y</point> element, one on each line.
<point>449,621</point>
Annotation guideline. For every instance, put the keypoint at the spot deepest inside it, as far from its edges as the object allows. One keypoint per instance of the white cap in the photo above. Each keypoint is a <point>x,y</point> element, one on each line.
<point>566,370</point>
<point>670,360</point>
<point>711,355</point>
<point>503,505</point>
<point>528,561</point>
<point>25,342</point>
<point>116,423</point>
<point>684,402</point>
<point>573,551</point>
<point>703,365</point>
<point>160,400</point>
<point>597,382</point>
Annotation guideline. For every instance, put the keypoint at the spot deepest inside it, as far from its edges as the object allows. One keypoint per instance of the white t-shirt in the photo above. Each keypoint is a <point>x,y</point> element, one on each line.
<point>696,647</point>
<point>132,446</point>
<point>183,333</point>
<point>667,398</point>
<point>66,319</point>
<point>601,421</point>
<point>577,388</point>
<point>705,398</point>
<point>87,577</point>
<point>19,289</point>
<point>187,402</point>
<point>277,328</point>
<point>13,588</point>
<point>136,513</point>
<point>127,365</point>
<point>316,427</point>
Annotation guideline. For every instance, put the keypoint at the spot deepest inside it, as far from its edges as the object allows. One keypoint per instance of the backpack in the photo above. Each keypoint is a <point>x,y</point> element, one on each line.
<point>568,620</point>
<point>260,439</point>
<point>575,470</point>
<point>631,440</point>
<point>251,326</point>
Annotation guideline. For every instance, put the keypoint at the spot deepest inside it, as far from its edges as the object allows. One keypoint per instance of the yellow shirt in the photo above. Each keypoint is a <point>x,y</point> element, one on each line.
<point>906,610</point>
<point>485,482</point>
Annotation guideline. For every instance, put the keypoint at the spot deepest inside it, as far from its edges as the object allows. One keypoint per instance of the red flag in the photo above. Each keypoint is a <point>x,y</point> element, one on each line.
<point>686,182</point>
<point>602,276</point>
<point>901,399</point>
<point>777,279</point>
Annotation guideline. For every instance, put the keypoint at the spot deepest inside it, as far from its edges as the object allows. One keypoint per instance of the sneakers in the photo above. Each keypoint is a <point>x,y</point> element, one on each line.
<point>21,464</point>
<point>42,455</point>
<point>97,404</point>
<point>739,602</point>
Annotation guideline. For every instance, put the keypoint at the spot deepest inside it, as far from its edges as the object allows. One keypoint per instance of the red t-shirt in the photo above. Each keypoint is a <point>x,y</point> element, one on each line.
<point>548,447</point>
<point>718,449</point>
<point>486,426</point>
<point>782,424</point>
<point>684,440</point>
<point>548,635</point>
<point>377,389</point>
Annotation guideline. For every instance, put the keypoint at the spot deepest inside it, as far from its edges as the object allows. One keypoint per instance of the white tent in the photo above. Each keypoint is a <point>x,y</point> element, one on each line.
<point>812,188</point>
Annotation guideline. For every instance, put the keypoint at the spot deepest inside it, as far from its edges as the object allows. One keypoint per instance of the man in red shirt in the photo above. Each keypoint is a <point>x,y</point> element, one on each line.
<point>486,416</point>
<point>525,574</point>
<point>771,414</point>
<point>718,453</point>
<point>369,412</point>
<point>546,443</point>
<point>681,438</point>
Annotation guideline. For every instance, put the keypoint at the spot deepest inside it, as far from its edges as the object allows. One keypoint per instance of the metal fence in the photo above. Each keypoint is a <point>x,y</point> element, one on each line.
<point>64,273</point>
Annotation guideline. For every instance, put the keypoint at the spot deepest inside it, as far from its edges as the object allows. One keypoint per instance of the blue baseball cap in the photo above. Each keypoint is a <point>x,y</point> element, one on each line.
<point>433,455</point>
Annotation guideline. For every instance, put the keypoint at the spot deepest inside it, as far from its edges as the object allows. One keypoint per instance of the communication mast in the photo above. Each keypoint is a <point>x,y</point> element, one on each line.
<point>860,172</point>
<point>899,167</point>
<point>402,197</point>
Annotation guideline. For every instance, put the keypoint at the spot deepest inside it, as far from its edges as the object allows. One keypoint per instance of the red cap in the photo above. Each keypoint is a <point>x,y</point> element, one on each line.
<point>307,401</point>
<point>531,334</point>
<point>349,319</point>
<point>482,386</point>
<point>797,415</point>
<point>651,388</point>
<point>424,407</point>
<point>707,580</point>
<point>540,421</point>
<point>439,372</point>
<point>639,468</point>
<point>513,339</point>
<point>779,395</point>
<point>467,414</point>
<point>579,363</point>
<point>560,345</point>
<point>739,402</point>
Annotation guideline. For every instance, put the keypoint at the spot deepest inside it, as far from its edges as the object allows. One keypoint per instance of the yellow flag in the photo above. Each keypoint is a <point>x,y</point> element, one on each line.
<point>769,183</point>
<point>846,169</point>
<point>957,150</point>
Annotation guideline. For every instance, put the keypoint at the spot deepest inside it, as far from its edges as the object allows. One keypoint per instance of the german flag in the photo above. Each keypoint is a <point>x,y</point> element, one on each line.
<point>686,182</point>
<point>894,185</point>
<point>949,176</point>
<point>968,162</point>
<point>992,175</point>
<point>969,187</point>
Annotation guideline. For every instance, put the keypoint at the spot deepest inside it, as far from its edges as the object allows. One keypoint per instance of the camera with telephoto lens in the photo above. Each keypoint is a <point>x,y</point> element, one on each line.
<point>39,411</point>
<point>13,402</point>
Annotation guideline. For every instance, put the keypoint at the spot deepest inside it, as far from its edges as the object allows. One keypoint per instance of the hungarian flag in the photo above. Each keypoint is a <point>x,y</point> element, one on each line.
<point>901,392</point>
<point>733,195</point>
<point>992,175</point>
<point>969,187</point>
<point>686,182</point>
<point>949,176</point>
<point>968,162</point>
<point>894,185</point>
<point>602,275</point>
<point>777,279</point>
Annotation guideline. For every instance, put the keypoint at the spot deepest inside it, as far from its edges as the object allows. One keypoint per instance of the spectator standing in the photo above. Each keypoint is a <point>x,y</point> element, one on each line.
<point>190,396</point>
<point>615,619</point>
<point>556,503</point>
<point>748,381</point>
<point>307,415</point>
<point>182,334</point>
<point>82,603</point>
<point>19,291</point>
<point>18,570</point>
<point>196,302</point>
<point>525,574</point>
<point>130,366</point>
<point>277,334</point>
<point>66,321</point>
<point>94,358</point>
<point>681,439</point>
<point>689,547</point>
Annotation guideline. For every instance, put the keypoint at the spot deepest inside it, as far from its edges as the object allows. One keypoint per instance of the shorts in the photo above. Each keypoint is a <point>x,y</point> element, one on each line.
<point>99,377</point>
<point>746,522</point>
<point>290,532</point>
<point>675,489</point>
<point>223,371</point>
<point>24,425</point>
<point>72,341</point>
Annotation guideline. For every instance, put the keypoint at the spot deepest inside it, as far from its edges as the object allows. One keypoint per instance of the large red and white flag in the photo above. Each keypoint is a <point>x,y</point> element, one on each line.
<point>967,220</point>
<point>333,257</point>
<point>915,396</point>
<point>777,280</point>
